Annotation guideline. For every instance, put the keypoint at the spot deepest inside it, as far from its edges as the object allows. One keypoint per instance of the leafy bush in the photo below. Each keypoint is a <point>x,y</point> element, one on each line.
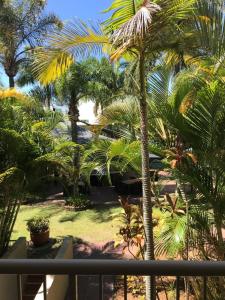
<point>16,150</point>
<point>38,225</point>
<point>78,202</point>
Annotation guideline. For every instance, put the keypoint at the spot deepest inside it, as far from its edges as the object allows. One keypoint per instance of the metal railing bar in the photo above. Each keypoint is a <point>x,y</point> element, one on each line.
<point>178,288</point>
<point>205,288</point>
<point>125,286</point>
<point>101,286</point>
<point>19,287</point>
<point>45,287</point>
<point>71,290</point>
<point>76,288</point>
<point>111,267</point>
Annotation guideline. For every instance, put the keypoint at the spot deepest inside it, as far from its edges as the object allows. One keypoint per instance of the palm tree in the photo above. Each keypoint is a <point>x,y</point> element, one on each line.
<point>117,155</point>
<point>194,111</point>
<point>141,29</point>
<point>106,83</point>
<point>22,27</point>
<point>44,94</point>
<point>71,88</point>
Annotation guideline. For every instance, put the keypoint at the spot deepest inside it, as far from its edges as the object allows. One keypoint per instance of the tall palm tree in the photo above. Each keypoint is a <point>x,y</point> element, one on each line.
<point>141,29</point>
<point>70,89</point>
<point>22,27</point>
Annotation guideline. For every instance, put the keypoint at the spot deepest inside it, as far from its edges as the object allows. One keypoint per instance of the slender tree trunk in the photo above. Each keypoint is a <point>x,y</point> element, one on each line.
<point>74,117</point>
<point>48,102</point>
<point>48,96</point>
<point>146,184</point>
<point>181,190</point>
<point>220,245</point>
<point>11,82</point>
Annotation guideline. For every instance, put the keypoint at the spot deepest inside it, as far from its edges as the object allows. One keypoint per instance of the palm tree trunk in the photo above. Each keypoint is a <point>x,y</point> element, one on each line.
<point>74,117</point>
<point>48,102</point>
<point>11,82</point>
<point>146,184</point>
<point>48,96</point>
<point>220,239</point>
<point>182,193</point>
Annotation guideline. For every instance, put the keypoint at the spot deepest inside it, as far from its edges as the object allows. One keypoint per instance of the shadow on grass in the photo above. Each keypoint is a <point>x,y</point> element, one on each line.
<point>50,211</point>
<point>70,217</point>
<point>98,214</point>
<point>47,212</point>
<point>103,214</point>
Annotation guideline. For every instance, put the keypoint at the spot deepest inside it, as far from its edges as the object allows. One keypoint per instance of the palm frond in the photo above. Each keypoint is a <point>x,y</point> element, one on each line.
<point>50,63</point>
<point>142,30</point>
<point>123,115</point>
<point>138,25</point>
<point>76,40</point>
<point>79,38</point>
<point>210,24</point>
<point>123,11</point>
<point>118,155</point>
<point>170,239</point>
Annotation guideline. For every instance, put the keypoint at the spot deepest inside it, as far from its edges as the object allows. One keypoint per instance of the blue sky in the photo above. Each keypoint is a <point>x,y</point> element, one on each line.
<point>88,9</point>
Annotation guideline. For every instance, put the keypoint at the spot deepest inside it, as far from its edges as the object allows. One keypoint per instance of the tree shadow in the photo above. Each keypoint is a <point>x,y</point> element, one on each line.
<point>88,286</point>
<point>103,213</point>
<point>85,250</point>
<point>47,251</point>
<point>48,212</point>
<point>70,217</point>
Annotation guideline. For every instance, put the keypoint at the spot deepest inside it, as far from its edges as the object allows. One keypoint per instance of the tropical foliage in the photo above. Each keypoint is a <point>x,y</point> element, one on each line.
<point>22,27</point>
<point>11,186</point>
<point>157,82</point>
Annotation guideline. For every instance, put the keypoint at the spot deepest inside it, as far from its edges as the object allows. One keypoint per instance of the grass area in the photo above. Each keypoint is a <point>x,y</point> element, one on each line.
<point>93,225</point>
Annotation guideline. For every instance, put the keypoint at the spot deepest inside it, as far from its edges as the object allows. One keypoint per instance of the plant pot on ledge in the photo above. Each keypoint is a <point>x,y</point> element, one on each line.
<point>39,231</point>
<point>39,239</point>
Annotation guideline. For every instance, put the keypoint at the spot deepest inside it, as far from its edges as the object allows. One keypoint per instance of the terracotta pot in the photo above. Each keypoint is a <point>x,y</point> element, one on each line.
<point>39,239</point>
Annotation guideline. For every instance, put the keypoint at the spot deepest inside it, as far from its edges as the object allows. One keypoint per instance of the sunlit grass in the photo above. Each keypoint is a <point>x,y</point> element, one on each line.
<point>93,225</point>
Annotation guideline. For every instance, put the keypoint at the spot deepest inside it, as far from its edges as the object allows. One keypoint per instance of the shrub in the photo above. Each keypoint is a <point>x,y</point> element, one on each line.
<point>38,225</point>
<point>78,202</point>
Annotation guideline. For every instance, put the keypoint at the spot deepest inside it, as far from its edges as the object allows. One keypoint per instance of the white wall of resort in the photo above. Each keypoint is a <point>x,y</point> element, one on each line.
<point>86,110</point>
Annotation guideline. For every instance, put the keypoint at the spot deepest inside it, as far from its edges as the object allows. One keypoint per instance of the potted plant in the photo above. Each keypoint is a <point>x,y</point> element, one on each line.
<point>39,231</point>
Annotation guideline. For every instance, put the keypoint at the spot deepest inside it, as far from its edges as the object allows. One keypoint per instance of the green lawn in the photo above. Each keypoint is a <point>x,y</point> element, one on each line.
<point>93,225</point>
